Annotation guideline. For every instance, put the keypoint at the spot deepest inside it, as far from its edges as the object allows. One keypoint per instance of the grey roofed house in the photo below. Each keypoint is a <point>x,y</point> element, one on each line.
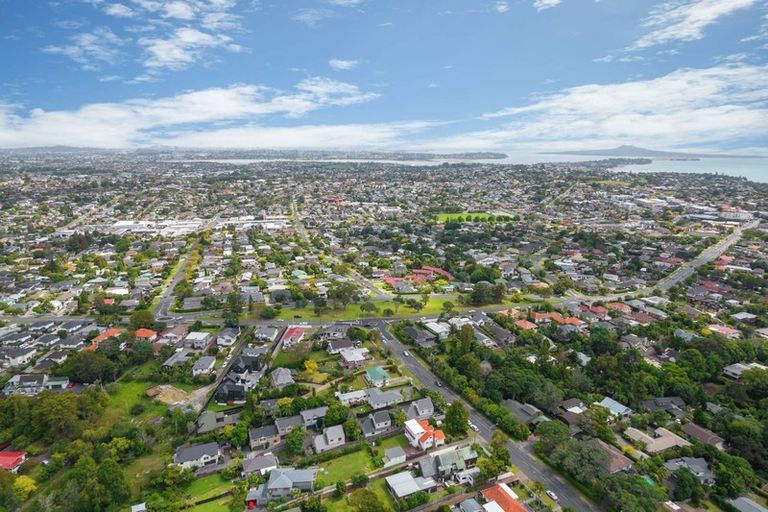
<point>673,405</point>
<point>267,435</point>
<point>285,425</point>
<point>193,453</point>
<point>379,399</point>
<point>421,337</point>
<point>421,409</point>
<point>260,463</point>
<point>310,417</point>
<point>332,437</point>
<point>280,484</point>
<point>743,504</point>
<point>616,408</point>
<point>266,334</point>
<point>696,465</point>
<point>179,358</point>
<point>448,463</point>
<point>281,377</point>
<point>210,420</point>
<point>337,345</point>
<point>404,484</point>
<point>470,505</point>
<point>203,365</point>
<point>526,413</point>
<point>376,423</point>
<point>394,456</point>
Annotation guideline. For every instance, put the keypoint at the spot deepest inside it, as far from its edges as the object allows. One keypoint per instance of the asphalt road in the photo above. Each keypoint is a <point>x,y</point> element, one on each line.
<point>520,453</point>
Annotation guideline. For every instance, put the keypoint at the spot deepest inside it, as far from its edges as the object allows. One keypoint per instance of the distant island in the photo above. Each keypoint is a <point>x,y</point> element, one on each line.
<point>636,152</point>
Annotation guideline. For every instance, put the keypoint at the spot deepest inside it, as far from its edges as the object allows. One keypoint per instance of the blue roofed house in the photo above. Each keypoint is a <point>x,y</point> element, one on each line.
<point>618,410</point>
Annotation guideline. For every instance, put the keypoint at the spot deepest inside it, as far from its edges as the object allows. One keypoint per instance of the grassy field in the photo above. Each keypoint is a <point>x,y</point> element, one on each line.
<point>352,311</point>
<point>208,487</point>
<point>136,472</point>
<point>393,442</point>
<point>342,468</point>
<point>213,506</point>
<point>444,217</point>
<point>379,488</point>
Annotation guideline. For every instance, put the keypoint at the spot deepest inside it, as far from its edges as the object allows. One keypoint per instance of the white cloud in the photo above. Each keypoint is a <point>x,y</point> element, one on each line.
<point>342,64</point>
<point>312,17</point>
<point>501,7</point>
<point>181,49</point>
<point>179,10</point>
<point>540,5</point>
<point>685,20</point>
<point>120,11</point>
<point>721,104</point>
<point>142,121</point>
<point>90,49</point>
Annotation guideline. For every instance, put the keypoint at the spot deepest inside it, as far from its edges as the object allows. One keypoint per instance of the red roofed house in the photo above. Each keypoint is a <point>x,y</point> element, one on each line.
<point>504,497</point>
<point>726,331</point>
<point>146,334</point>
<point>10,461</point>
<point>620,307</point>
<point>109,333</point>
<point>423,435</point>
<point>292,336</point>
<point>525,325</point>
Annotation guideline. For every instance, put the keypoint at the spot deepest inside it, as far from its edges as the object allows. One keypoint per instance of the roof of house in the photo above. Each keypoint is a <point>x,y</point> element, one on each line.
<point>193,452</point>
<point>11,460</point>
<point>504,497</point>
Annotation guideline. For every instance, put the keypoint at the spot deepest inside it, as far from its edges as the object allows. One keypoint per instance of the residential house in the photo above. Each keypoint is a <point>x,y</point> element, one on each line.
<point>662,439</point>
<point>262,463</point>
<point>285,425</point>
<point>618,410</point>
<point>209,421</point>
<point>447,463</point>
<point>377,376</point>
<point>198,340</point>
<point>281,377</point>
<point>282,483</point>
<point>32,384</point>
<point>331,437</point>
<point>204,366</point>
<point>615,460</point>
<point>194,456</point>
<point>376,423</point>
<point>421,434</point>
<point>292,336</point>
<point>227,337</point>
<point>379,399</point>
<point>394,456</point>
<point>696,465</point>
<point>420,409</point>
<point>673,405</point>
<point>401,485</point>
<point>703,435</point>
<point>11,461</point>
<point>311,417</point>
<point>265,334</point>
<point>263,437</point>
<point>735,370</point>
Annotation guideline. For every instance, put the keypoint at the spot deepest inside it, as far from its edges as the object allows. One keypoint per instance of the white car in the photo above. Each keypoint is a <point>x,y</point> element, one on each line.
<point>552,495</point>
<point>473,426</point>
<point>406,353</point>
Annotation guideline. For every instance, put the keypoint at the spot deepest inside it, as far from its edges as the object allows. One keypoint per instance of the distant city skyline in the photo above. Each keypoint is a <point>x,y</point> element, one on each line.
<point>428,75</point>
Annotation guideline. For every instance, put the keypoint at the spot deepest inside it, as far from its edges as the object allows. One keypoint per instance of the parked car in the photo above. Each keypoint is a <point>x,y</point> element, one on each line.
<point>552,495</point>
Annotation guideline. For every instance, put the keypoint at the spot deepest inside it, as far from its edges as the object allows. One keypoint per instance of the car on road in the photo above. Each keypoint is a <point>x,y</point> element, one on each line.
<point>438,384</point>
<point>473,426</point>
<point>406,353</point>
<point>552,495</point>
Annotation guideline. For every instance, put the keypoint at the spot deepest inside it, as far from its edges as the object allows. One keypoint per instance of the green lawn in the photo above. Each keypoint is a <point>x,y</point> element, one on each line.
<point>379,488</point>
<point>393,442</point>
<point>342,468</point>
<point>208,487</point>
<point>136,472</point>
<point>444,217</point>
<point>352,312</point>
<point>293,357</point>
<point>213,506</point>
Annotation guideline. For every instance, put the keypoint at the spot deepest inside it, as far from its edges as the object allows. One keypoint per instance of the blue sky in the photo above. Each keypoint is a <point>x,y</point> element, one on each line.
<point>514,75</point>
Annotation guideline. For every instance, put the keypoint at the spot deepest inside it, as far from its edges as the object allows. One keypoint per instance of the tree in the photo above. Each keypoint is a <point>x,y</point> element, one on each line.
<point>336,414</point>
<point>352,430</point>
<point>312,504</point>
<point>340,489</point>
<point>686,486</point>
<point>364,500</point>
<point>142,319</point>
<point>498,448</point>
<point>551,434</point>
<point>294,441</point>
<point>595,421</point>
<point>456,419</point>
<point>24,486</point>
<point>310,366</point>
